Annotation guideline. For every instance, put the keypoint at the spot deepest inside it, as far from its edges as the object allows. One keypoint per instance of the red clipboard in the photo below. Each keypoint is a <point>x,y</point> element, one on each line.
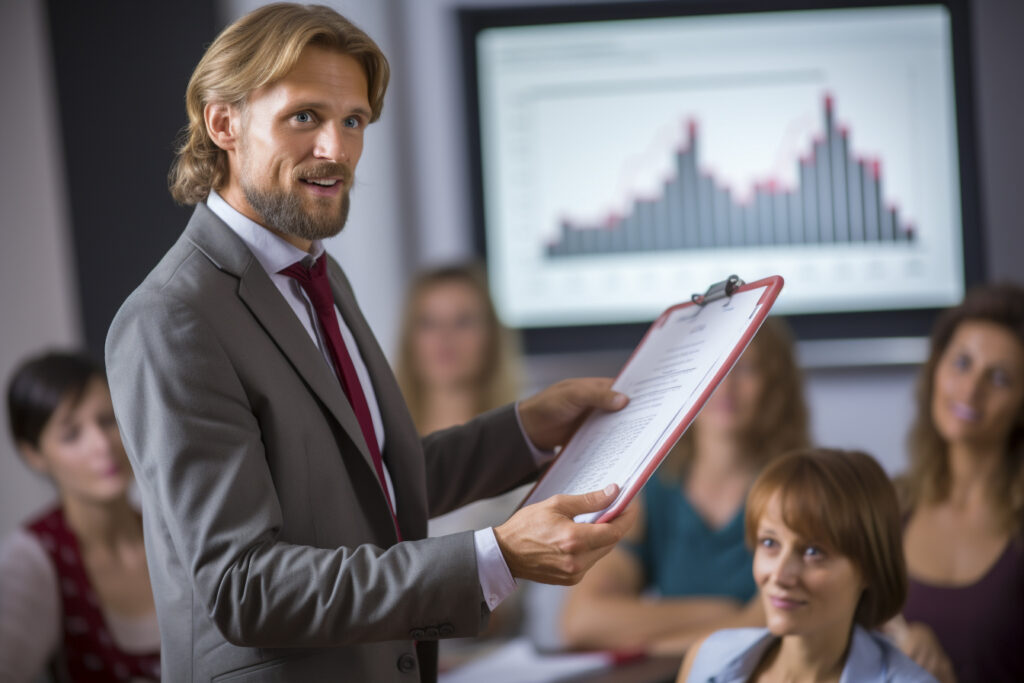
<point>743,332</point>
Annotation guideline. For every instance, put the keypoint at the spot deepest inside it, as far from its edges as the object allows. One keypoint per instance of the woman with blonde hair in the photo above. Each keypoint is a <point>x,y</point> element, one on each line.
<point>456,361</point>
<point>688,546</point>
<point>825,529</point>
<point>964,512</point>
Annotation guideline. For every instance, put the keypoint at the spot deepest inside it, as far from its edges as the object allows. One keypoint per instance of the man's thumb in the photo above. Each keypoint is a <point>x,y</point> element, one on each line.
<point>589,502</point>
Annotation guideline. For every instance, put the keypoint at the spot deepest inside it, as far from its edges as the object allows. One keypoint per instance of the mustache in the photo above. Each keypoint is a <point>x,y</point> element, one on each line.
<point>327,169</point>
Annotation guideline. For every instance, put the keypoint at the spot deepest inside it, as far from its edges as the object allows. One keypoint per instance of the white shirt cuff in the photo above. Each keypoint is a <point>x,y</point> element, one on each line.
<point>496,580</point>
<point>540,457</point>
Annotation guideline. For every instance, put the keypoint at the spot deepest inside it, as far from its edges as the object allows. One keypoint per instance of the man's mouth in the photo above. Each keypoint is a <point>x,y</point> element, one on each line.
<point>322,182</point>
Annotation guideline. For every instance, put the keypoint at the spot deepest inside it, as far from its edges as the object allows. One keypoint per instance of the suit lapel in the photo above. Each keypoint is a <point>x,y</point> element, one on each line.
<point>229,253</point>
<point>402,441</point>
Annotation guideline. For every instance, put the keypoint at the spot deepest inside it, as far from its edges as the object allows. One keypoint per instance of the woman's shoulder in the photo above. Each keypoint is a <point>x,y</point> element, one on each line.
<point>730,653</point>
<point>23,556</point>
<point>31,616</point>
<point>873,657</point>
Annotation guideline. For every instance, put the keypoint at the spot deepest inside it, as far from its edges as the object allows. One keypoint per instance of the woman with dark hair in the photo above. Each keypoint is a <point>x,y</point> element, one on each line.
<point>688,547</point>
<point>964,494</point>
<point>825,529</point>
<point>75,597</point>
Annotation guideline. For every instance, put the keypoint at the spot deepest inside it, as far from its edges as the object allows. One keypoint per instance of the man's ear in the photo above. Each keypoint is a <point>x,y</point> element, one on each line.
<point>221,124</point>
<point>33,457</point>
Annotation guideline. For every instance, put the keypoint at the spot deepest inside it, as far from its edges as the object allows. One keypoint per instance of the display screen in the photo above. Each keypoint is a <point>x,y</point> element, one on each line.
<point>626,163</point>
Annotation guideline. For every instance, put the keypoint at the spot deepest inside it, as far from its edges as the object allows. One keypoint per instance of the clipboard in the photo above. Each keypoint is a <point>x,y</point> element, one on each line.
<point>714,328</point>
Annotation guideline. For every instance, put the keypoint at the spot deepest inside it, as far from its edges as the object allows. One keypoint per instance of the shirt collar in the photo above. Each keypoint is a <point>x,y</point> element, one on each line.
<point>272,251</point>
<point>865,659</point>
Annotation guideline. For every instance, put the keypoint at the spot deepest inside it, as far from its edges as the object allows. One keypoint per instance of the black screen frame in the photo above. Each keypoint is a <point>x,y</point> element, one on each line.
<point>913,322</point>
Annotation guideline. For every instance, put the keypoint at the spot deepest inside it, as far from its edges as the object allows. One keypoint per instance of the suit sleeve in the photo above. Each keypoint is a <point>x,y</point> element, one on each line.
<point>195,443</point>
<point>483,458</point>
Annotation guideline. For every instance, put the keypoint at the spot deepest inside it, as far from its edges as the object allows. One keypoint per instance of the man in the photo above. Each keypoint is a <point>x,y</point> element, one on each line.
<point>285,491</point>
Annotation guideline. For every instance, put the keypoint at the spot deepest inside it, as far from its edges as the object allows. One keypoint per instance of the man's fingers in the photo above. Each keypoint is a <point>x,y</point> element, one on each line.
<point>597,392</point>
<point>570,506</point>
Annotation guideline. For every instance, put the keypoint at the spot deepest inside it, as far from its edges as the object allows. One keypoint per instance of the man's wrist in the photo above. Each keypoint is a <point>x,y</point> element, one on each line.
<point>541,457</point>
<point>496,580</point>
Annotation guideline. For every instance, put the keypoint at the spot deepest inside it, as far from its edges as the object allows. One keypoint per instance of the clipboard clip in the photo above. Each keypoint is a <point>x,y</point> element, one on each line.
<point>719,290</point>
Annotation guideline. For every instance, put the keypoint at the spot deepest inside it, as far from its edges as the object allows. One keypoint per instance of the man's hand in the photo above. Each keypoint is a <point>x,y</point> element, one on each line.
<point>550,417</point>
<point>542,543</point>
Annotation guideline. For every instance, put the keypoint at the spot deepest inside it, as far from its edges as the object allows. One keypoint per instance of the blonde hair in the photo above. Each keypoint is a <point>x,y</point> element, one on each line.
<point>255,51</point>
<point>498,381</point>
<point>781,423</point>
<point>928,480</point>
<point>844,501</point>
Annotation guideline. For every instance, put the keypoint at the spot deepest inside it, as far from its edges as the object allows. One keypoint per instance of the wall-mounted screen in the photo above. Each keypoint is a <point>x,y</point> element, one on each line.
<point>629,154</point>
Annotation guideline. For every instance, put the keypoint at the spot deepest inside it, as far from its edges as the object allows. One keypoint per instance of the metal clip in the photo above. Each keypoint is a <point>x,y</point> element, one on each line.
<point>719,290</point>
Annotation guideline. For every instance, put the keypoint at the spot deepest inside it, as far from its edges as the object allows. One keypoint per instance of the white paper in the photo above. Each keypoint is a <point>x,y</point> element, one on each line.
<point>664,379</point>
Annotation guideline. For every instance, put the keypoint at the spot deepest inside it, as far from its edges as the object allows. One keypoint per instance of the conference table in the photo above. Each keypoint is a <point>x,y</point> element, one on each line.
<point>518,661</point>
<point>647,670</point>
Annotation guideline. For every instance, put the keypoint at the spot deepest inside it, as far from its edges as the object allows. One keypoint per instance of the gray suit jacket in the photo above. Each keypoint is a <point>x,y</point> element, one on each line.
<point>270,544</point>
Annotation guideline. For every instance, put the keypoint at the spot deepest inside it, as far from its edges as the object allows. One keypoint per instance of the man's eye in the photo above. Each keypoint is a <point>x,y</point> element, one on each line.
<point>304,117</point>
<point>352,122</point>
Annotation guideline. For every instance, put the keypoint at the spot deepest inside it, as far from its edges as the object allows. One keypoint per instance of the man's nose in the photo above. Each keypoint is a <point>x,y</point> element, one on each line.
<point>330,143</point>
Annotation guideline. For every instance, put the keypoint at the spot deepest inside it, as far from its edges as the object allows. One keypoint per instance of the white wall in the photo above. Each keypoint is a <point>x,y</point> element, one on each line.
<point>38,306</point>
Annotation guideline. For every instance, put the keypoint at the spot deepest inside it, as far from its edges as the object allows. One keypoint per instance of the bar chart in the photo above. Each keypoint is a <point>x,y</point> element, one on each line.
<point>839,198</point>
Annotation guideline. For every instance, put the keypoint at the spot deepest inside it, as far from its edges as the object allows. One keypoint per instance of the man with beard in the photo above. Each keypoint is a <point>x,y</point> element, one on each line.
<point>285,491</point>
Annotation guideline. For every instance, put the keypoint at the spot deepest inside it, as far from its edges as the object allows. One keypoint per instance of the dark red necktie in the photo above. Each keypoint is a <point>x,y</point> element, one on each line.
<point>318,288</point>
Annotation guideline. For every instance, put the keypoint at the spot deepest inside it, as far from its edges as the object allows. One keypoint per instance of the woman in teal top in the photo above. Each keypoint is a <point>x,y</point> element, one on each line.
<point>684,570</point>
<point>682,555</point>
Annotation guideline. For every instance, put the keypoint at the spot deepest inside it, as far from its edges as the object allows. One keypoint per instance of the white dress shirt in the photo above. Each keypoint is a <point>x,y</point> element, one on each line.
<point>276,254</point>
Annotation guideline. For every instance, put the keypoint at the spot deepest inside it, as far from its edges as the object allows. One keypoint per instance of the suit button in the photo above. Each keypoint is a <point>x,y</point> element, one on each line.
<point>433,633</point>
<point>406,663</point>
<point>446,630</point>
<point>418,634</point>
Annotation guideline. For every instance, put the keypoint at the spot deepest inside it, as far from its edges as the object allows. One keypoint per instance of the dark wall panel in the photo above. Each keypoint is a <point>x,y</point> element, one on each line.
<point>121,71</point>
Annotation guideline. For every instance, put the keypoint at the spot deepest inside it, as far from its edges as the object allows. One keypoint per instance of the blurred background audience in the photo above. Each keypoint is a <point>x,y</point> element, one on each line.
<point>75,597</point>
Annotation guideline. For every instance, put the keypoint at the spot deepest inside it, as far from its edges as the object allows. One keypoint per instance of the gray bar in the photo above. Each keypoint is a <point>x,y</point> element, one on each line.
<point>764,217</point>
<point>780,200</point>
<point>674,203</point>
<point>809,190</point>
<point>706,210</point>
<point>736,224</point>
<point>722,216</point>
<point>839,190</point>
<point>823,172</point>
<point>856,201</point>
<point>688,179</point>
<point>796,217</point>
<point>869,183</point>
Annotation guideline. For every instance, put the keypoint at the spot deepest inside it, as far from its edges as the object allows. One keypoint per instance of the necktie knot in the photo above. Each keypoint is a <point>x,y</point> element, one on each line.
<point>314,282</point>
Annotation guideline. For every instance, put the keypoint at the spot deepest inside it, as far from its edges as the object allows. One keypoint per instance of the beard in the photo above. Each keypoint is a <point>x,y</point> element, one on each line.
<point>284,211</point>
